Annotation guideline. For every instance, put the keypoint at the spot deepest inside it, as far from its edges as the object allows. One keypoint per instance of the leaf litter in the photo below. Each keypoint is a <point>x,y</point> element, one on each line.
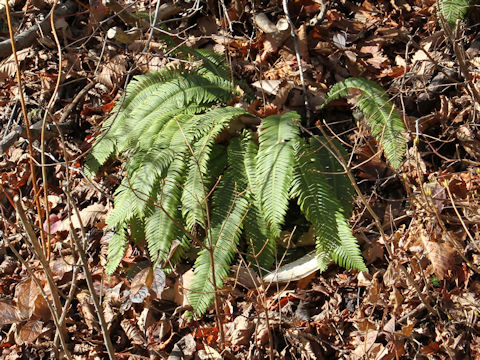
<point>429,210</point>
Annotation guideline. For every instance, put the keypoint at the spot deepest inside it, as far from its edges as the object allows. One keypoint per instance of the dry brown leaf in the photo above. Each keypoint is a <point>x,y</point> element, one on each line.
<point>61,266</point>
<point>88,217</point>
<point>86,309</point>
<point>209,353</point>
<point>29,332</point>
<point>8,67</point>
<point>112,71</point>
<point>29,300</point>
<point>147,282</point>
<point>182,285</point>
<point>440,254</point>
<point>243,328</point>
<point>133,332</point>
<point>8,313</point>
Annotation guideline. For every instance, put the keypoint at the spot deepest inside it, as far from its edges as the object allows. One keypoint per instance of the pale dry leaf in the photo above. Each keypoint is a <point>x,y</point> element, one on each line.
<point>8,67</point>
<point>9,313</point>
<point>366,348</point>
<point>304,344</point>
<point>29,332</point>
<point>29,300</point>
<point>133,332</point>
<point>303,42</point>
<point>88,216</point>
<point>62,266</point>
<point>158,282</point>
<point>364,279</point>
<point>440,254</point>
<point>209,353</point>
<point>242,331</point>
<point>139,288</point>
<point>182,285</point>
<point>340,41</point>
<point>86,309</point>
<point>269,87</point>
<point>112,71</point>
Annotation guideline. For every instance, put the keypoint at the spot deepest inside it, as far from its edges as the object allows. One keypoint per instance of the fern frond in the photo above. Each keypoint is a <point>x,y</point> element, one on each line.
<point>334,171</point>
<point>382,116</point>
<point>160,229</point>
<point>317,199</point>
<point>274,171</point>
<point>229,206</point>
<point>260,243</point>
<point>122,211</point>
<point>212,62</point>
<point>116,249</point>
<point>137,230</point>
<point>208,126</point>
<point>98,156</point>
<point>453,10</point>
<point>151,101</point>
<point>348,254</point>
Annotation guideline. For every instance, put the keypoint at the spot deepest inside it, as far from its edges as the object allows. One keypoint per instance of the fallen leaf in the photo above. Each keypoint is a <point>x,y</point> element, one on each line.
<point>30,331</point>
<point>8,313</point>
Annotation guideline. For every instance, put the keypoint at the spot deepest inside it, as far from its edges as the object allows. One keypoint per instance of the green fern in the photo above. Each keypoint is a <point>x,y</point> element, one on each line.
<point>261,242</point>
<point>453,10</point>
<point>318,199</point>
<point>382,116</point>
<point>180,183</point>
<point>274,170</point>
<point>229,206</point>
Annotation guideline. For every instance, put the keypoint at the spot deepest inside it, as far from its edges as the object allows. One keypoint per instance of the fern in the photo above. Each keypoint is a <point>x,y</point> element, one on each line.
<point>260,242</point>
<point>453,10</point>
<point>274,170</point>
<point>180,184</point>
<point>208,126</point>
<point>116,249</point>
<point>382,116</point>
<point>317,199</point>
<point>229,208</point>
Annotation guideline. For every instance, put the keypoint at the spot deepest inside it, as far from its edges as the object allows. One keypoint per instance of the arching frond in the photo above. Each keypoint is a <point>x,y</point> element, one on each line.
<point>275,161</point>
<point>453,10</point>
<point>116,249</point>
<point>195,191</point>
<point>151,101</point>
<point>382,116</point>
<point>334,171</point>
<point>318,200</point>
<point>260,243</point>
<point>348,254</point>
<point>229,206</point>
<point>123,210</point>
<point>160,228</point>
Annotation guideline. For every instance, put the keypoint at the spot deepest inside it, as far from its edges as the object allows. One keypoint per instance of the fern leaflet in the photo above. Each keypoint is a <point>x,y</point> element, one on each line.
<point>274,171</point>
<point>229,206</point>
<point>382,116</point>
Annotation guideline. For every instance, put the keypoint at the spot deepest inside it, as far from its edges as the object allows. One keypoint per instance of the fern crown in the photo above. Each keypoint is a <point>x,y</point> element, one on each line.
<point>166,129</point>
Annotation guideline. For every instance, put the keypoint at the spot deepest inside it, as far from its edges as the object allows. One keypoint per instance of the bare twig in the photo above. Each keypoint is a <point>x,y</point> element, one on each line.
<point>300,65</point>
<point>27,123</point>
<point>56,306</point>
<point>29,37</point>
<point>46,244</point>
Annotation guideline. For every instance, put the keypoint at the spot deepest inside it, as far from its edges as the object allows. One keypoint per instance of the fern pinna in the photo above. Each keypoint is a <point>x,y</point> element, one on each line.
<point>180,182</point>
<point>381,115</point>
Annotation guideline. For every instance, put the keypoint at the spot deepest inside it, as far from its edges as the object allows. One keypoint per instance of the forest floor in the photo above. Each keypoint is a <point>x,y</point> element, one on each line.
<point>421,297</point>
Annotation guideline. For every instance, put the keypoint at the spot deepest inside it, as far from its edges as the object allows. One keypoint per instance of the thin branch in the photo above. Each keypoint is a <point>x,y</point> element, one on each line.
<point>300,65</point>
